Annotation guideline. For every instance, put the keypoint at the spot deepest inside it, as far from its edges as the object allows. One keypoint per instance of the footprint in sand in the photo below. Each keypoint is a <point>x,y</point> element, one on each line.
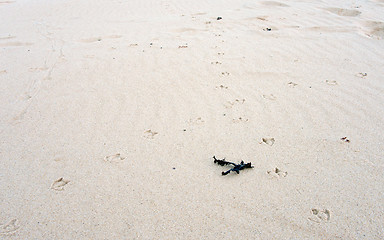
<point>225,73</point>
<point>345,139</point>
<point>344,12</point>
<point>320,216</point>
<point>150,134</point>
<point>362,75</point>
<point>261,18</point>
<point>15,44</point>
<point>221,87</point>
<point>199,14</point>
<point>268,141</point>
<point>98,39</point>
<point>59,184</point>
<point>277,173</point>
<point>229,104</point>
<point>10,227</point>
<point>20,116</point>
<point>197,121</point>
<point>6,2</point>
<point>240,120</point>
<point>114,158</point>
<point>269,97</point>
<point>331,82</point>
<point>374,29</point>
<point>274,4</point>
<point>38,69</point>
<point>292,84</point>
<point>7,37</point>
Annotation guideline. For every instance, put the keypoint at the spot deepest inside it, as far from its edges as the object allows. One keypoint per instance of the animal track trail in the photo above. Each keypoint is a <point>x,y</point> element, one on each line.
<point>59,184</point>
<point>55,57</point>
<point>320,216</point>
<point>277,173</point>
<point>10,227</point>
<point>114,158</point>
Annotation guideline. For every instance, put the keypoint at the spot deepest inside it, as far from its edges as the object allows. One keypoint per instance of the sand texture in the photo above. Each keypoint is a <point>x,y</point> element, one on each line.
<point>112,110</point>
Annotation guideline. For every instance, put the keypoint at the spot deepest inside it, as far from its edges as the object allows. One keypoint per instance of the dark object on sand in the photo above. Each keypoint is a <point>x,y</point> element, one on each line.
<point>267,29</point>
<point>345,139</point>
<point>237,167</point>
<point>219,18</point>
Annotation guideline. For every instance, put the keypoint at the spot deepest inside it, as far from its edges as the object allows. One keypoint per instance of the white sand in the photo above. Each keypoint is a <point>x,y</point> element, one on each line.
<point>166,85</point>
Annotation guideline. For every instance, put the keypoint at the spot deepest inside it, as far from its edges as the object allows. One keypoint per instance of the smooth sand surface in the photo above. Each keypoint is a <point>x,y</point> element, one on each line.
<point>111,112</point>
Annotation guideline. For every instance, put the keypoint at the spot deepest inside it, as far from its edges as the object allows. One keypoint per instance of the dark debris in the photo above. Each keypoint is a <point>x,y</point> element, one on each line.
<point>237,167</point>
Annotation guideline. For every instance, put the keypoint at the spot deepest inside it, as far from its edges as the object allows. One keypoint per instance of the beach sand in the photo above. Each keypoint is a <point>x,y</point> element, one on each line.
<point>111,112</point>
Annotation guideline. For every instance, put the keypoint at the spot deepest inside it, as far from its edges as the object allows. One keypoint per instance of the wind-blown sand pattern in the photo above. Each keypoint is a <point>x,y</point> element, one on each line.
<point>111,112</point>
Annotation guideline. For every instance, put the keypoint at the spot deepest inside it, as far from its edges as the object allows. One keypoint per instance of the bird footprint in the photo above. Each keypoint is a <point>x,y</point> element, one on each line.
<point>269,141</point>
<point>150,134</point>
<point>197,121</point>
<point>114,158</point>
<point>221,87</point>
<point>362,75</point>
<point>269,97</point>
<point>231,104</point>
<point>239,120</point>
<point>319,216</point>
<point>59,184</point>
<point>10,227</point>
<point>331,82</point>
<point>277,173</point>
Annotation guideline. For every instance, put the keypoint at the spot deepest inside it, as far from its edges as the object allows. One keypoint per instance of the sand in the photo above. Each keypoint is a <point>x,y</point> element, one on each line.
<point>111,112</point>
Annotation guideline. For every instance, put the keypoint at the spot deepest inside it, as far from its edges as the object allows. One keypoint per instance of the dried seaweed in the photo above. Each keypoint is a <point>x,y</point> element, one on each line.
<point>237,167</point>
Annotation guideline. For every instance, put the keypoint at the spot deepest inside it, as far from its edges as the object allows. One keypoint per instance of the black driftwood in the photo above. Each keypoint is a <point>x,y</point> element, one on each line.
<point>237,167</point>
